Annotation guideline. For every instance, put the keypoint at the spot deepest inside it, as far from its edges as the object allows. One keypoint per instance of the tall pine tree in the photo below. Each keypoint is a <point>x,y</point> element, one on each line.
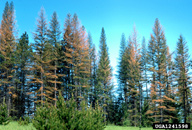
<point>23,61</point>
<point>182,77</point>
<point>104,74</point>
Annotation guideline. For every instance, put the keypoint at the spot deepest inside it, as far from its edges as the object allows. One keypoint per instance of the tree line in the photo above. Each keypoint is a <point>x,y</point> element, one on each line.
<point>154,85</point>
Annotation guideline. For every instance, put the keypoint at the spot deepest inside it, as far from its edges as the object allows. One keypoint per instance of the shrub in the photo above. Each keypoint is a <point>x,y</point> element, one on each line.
<point>24,121</point>
<point>84,119</point>
<point>67,116</point>
<point>126,122</point>
<point>46,118</point>
<point>4,119</point>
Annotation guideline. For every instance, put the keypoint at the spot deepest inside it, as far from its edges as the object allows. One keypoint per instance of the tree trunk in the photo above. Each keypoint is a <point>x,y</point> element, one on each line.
<point>55,87</point>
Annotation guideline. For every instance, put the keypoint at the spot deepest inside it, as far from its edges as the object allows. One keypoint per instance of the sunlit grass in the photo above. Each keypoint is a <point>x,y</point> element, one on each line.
<point>113,127</point>
<point>15,126</point>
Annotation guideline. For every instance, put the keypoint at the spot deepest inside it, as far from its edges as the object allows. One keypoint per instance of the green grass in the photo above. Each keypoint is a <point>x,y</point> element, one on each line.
<point>15,126</point>
<point>113,127</point>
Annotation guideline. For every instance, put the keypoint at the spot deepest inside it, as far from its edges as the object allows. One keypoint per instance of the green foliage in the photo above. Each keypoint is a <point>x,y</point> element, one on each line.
<point>67,116</point>
<point>46,118</point>
<point>126,122</point>
<point>182,76</point>
<point>146,121</point>
<point>4,119</point>
<point>84,119</point>
<point>104,75</point>
<point>24,121</point>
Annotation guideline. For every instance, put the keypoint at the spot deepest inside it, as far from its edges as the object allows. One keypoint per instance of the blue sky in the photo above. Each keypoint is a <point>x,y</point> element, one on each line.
<point>116,16</point>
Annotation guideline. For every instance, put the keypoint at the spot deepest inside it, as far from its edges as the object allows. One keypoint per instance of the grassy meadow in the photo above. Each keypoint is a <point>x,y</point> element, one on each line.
<point>16,126</point>
<point>113,127</point>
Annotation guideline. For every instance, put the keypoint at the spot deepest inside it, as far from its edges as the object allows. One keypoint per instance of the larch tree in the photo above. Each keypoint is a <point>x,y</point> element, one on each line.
<point>42,62</point>
<point>104,74</point>
<point>54,39</point>
<point>171,113</point>
<point>81,67</point>
<point>7,55</point>
<point>76,58</point>
<point>157,53</point>
<point>66,65</point>
<point>134,78</point>
<point>182,77</point>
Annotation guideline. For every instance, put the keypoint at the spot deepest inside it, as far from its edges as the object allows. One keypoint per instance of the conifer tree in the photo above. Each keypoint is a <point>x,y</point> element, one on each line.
<point>158,68</point>
<point>80,59</point>
<point>134,77</point>
<point>7,49</point>
<point>54,40</point>
<point>67,64</point>
<point>76,59</point>
<point>171,113</point>
<point>23,56</point>
<point>121,69</point>
<point>93,68</point>
<point>144,68</point>
<point>42,62</point>
<point>104,74</point>
<point>182,77</point>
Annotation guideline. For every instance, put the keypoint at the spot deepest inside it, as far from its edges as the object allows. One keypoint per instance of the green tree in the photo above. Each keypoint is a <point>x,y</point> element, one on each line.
<point>121,67</point>
<point>104,74</point>
<point>93,97</point>
<point>182,77</point>
<point>23,56</point>
<point>4,119</point>
<point>144,68</point>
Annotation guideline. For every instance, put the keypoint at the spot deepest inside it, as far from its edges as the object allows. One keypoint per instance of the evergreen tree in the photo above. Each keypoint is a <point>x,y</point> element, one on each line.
<point>4,119</point>
<point>104,74</point>
<point>121,69</point>
<point>23,56</point>
<point>93,68</point>
<point>144,68</point>
<point>182,77</point>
